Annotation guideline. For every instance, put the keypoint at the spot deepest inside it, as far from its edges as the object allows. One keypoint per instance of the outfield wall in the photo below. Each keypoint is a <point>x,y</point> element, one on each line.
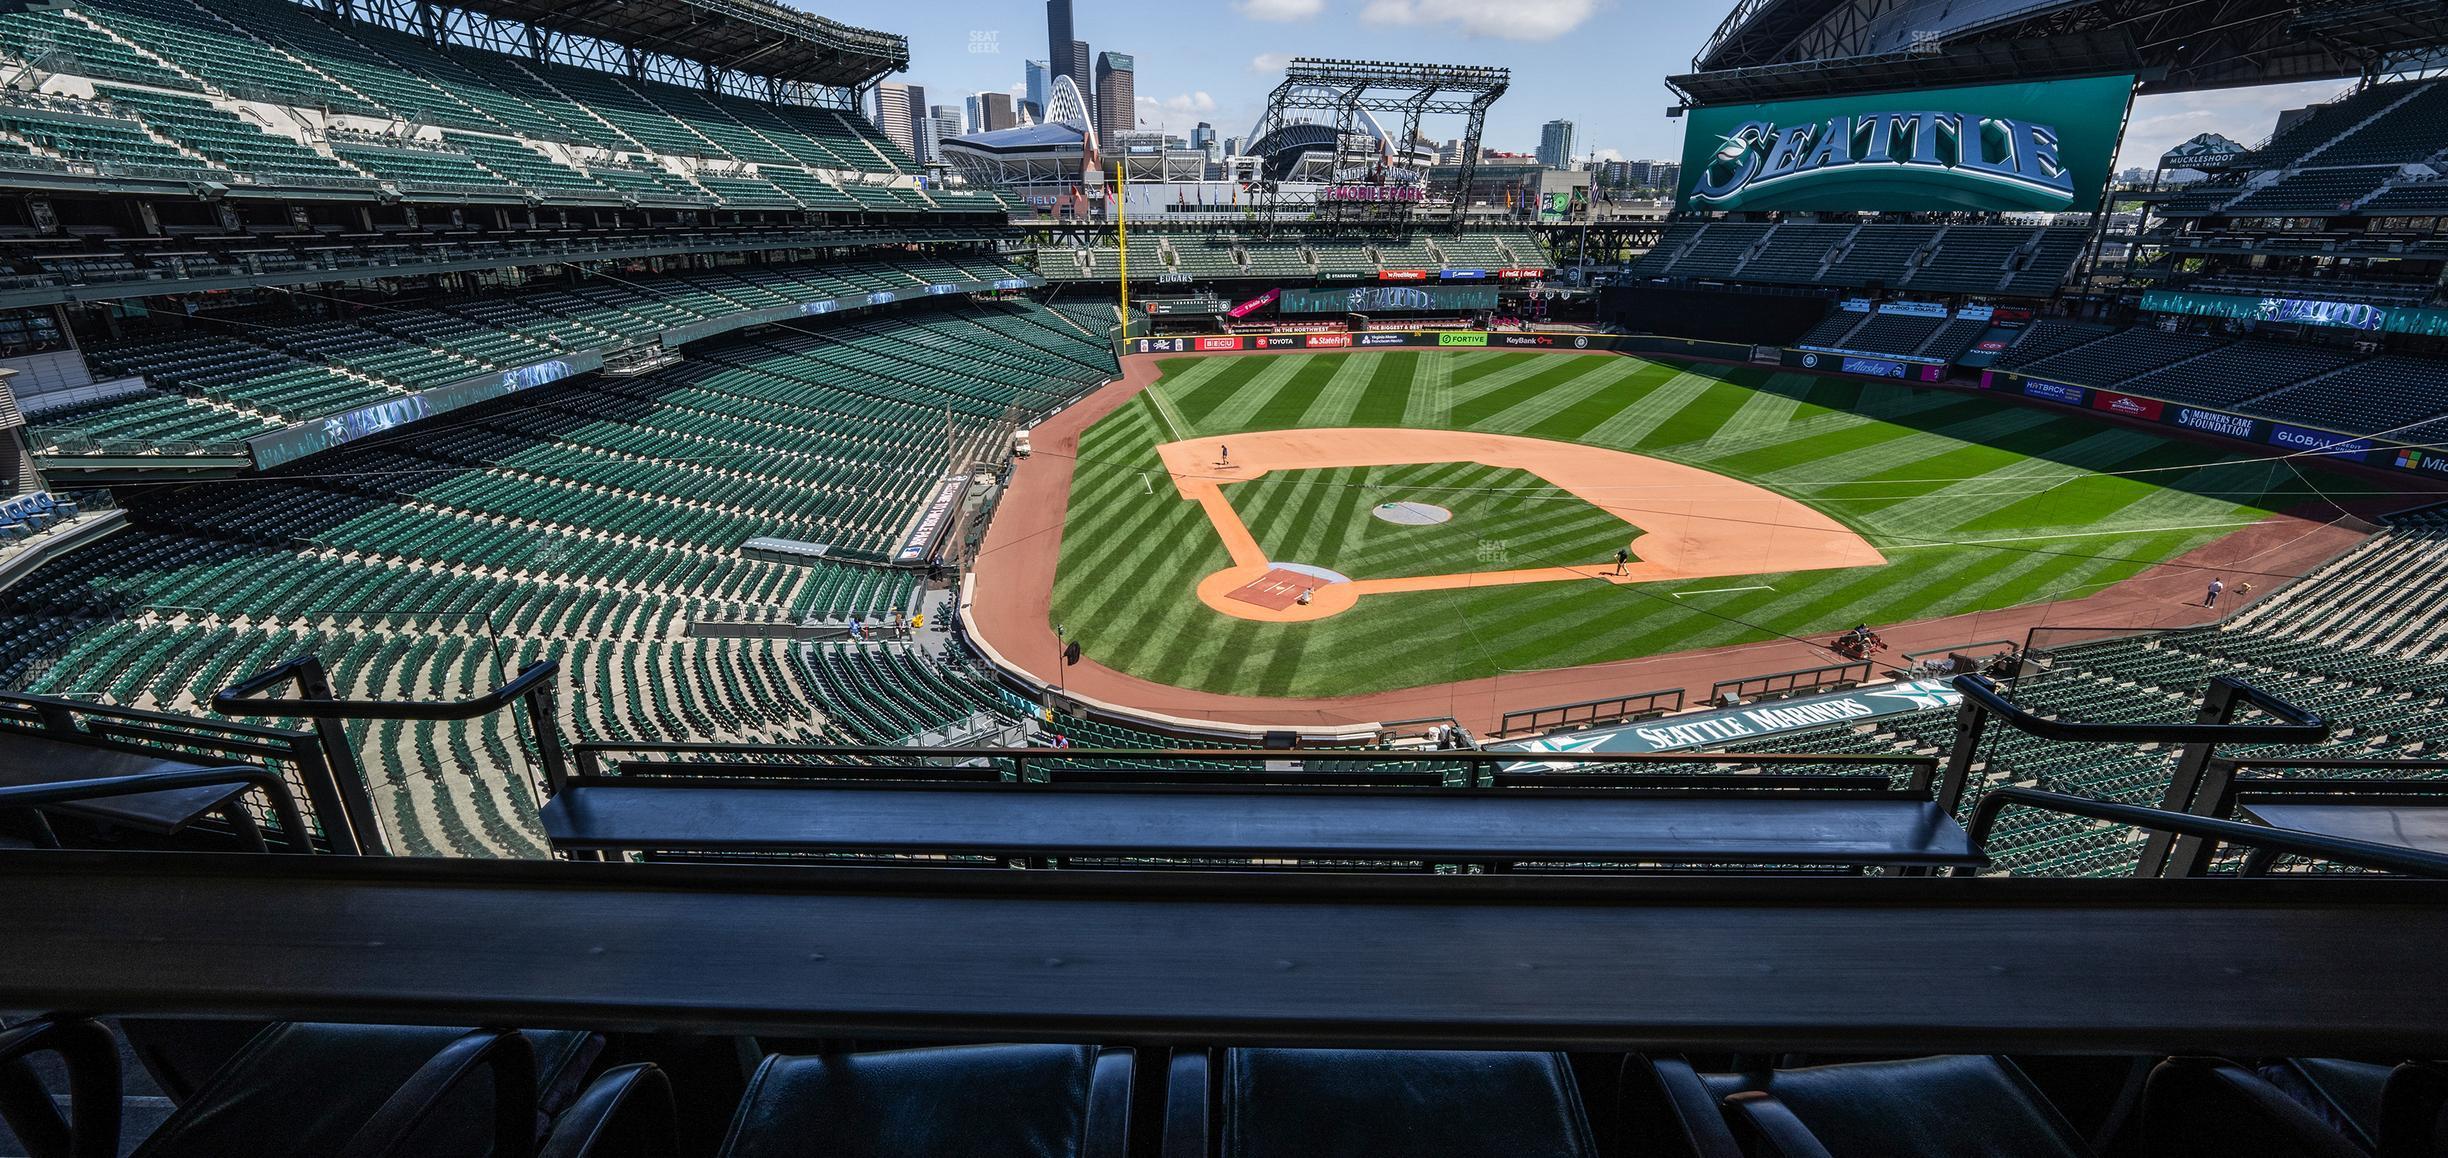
<point>1451,340</point>
<point>2244,429</point>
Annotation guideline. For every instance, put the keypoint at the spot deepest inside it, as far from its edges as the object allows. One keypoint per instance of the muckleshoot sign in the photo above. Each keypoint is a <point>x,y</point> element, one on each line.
<point>2039,146</point>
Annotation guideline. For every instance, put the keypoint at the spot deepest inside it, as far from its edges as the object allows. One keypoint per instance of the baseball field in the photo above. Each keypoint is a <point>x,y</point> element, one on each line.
<point>1312,525</point>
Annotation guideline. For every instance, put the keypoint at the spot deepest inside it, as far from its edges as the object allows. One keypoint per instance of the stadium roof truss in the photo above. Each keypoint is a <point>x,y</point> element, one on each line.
<point>1354,91</point>
<point>1773,49</point>
<point>752,47</point>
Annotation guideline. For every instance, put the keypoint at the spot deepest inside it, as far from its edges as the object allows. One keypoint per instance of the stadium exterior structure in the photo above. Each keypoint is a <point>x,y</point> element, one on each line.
<point>1772,49</point>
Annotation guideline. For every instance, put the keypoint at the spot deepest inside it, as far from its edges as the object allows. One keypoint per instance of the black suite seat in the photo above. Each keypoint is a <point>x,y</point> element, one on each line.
<point>1353,1103</point>
<point>2201,1107</point>
<point>91,1060</point>
<point>2388,1110</point>
<point>1004,1101</point>
<point>1934,1107</point>
<point>314,1090</point>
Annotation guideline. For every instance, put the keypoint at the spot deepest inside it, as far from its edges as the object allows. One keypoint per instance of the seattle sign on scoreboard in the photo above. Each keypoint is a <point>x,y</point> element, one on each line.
<point>2037,146</point>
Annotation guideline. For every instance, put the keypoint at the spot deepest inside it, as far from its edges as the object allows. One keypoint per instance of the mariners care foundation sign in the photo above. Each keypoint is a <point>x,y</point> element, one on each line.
<point>2040,146</point>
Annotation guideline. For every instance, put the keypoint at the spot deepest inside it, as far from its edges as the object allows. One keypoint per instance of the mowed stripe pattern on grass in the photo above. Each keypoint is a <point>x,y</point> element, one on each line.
<point>1327,518</point>
<point>1919,472</point>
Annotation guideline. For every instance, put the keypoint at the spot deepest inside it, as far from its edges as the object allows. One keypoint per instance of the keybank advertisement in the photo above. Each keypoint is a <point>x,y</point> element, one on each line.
<point>2038,146</point>
<point>1736,725</point>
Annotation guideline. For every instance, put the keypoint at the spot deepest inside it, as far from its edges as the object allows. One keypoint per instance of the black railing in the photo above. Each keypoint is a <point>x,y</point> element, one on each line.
<point>606,761</point>
<point>316,770</point>
<point>284,807</point>
<point>1795,682</point>
<point>1609,710</point>
<point>532,687</point>
<point>2267,843</point>
<point>1981,653</point>
<point>2226,786</point>
<point>2197,741</point>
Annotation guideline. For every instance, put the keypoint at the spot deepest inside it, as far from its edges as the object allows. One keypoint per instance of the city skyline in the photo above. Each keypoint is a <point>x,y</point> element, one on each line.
<point>1216,63</point>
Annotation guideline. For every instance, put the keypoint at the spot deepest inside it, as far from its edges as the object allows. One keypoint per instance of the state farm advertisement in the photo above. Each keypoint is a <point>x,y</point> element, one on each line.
<point>1219,343</point>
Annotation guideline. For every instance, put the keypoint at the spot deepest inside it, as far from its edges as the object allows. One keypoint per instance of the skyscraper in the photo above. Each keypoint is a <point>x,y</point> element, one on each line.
<point>1058,43</point>
<point>989,111</point>
<point>898,109</point>
<point>942,122</point>
<point>1202,136</point>
<point>1116,95</point>
<point>1555,149</point>
<point>1066,55</point>
<point>1034,102</point>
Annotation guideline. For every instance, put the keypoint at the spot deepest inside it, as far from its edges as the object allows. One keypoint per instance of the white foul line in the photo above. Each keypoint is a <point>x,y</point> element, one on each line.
<point>2065,535</point>
<point>1724,590</point>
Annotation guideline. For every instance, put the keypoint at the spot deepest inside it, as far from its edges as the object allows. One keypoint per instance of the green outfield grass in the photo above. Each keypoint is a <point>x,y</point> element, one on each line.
<point>1977,503</point>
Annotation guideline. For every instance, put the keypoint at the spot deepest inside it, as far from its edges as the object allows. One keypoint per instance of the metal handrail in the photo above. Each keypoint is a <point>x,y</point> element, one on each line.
<point>2301,726</point>
<point>1982,699</point>
<point>533,685</point>
<point>284,803</point>
<point>326,766</point>
<point>2268,843</point>
<point>239,698</point>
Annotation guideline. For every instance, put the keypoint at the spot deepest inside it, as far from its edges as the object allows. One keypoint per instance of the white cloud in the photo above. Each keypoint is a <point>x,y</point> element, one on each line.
<point>1602,154</point>
<point>1269,62</point>
<point>1281,10</point>
<point>1513,20</point>
<point>1177,113</point>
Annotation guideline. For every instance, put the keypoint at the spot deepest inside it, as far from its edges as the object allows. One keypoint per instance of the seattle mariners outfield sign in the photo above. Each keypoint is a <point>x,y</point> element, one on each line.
<point>2042,146</point>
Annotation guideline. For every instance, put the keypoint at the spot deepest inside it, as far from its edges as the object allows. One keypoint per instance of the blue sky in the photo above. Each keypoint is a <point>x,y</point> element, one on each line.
<point>1599,63</point>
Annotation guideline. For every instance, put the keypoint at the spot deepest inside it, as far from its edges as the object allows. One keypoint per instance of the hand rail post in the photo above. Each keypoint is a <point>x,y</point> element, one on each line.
<point>316,701</point>
<point>1971,719</point>
<point>356,803</point>
<point>2176,854</point>
<point>544,720</point>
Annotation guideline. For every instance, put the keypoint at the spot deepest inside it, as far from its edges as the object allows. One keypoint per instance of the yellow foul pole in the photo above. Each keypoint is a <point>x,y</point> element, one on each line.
<point>1122,234</point>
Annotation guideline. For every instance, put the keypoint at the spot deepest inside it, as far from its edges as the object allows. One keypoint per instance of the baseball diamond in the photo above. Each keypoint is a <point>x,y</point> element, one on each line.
<point>1751,504</point>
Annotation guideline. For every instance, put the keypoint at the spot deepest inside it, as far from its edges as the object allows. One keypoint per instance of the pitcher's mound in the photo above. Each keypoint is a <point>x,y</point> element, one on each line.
<point>1411,514</point>
<point>1279,588</point>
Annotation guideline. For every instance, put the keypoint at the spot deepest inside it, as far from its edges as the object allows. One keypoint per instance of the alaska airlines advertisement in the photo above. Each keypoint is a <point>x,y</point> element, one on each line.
<point>2039,146</point>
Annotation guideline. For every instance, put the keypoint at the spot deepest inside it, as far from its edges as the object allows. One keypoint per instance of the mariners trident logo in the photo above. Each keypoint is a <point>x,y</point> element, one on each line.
<point>1972,161</point>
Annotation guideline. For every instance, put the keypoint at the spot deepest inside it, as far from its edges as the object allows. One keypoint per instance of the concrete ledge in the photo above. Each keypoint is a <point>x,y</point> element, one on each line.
<point>21,561</point>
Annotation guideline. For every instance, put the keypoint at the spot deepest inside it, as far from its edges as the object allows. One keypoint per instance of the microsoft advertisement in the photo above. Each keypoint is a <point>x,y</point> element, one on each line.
<point>2038,146</point>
